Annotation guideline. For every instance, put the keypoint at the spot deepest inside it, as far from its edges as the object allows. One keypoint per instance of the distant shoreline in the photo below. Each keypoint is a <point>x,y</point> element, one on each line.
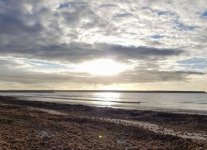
<point>121,91</point>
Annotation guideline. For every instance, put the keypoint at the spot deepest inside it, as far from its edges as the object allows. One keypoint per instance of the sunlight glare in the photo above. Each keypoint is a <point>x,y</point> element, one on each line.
<point>108,98</point>
<point>103,67</point>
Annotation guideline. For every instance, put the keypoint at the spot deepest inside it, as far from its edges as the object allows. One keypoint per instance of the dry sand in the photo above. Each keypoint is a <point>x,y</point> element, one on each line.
<point>39,126</point>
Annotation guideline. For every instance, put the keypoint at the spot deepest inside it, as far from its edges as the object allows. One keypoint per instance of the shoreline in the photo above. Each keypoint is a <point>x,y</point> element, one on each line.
<point>136,128</point>
<point>25,101</point>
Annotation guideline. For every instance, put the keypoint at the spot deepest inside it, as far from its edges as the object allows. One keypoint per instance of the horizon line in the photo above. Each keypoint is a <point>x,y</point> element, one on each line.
<point>124,91</point>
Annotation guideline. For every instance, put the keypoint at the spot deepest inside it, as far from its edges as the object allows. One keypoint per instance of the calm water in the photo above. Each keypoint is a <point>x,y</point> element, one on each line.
<point>176,102</point>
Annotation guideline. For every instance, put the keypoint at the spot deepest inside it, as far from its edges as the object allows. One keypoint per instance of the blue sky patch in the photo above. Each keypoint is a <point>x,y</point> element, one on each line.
<point>64,5</point>
<point>156,37</point>
<point>204,15</point>
<point>194,63</point>
<point>46,65</point>
<point>183,27</point>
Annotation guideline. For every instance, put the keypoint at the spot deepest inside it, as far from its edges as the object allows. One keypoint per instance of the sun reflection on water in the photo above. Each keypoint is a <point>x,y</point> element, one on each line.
<point>107,98</point>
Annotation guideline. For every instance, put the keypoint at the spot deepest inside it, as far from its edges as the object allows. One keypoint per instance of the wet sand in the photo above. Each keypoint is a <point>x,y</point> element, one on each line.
<point>39,125</point>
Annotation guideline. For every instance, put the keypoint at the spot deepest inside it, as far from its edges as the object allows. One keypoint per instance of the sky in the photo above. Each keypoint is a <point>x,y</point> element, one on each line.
<point>103,45</point>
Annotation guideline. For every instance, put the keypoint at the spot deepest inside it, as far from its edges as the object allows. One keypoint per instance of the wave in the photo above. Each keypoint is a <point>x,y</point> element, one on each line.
<point>194,103</point>
<point>85,99</point>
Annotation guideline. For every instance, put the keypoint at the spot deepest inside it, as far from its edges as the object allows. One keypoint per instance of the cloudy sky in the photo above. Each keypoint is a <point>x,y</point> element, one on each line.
<point>104,44</point>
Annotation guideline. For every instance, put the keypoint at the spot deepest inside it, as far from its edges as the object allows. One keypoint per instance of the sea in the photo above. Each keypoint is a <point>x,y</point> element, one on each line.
<point>193,103</point>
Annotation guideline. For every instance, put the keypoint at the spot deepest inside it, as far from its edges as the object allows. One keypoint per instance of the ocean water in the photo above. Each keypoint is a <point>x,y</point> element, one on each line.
<point>173,102</point>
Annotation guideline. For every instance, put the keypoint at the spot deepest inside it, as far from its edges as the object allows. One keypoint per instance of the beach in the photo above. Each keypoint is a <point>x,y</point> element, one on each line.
<point>43,125</point>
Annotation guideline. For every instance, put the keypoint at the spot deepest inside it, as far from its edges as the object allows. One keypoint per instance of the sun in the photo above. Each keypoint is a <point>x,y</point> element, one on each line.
<point>102,67</point>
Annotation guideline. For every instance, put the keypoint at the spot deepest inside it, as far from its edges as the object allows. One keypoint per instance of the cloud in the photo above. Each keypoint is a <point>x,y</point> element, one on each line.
<point>165,39</point>
<point>77,52</point>
<point>19,73</point>
<point>13,19</point>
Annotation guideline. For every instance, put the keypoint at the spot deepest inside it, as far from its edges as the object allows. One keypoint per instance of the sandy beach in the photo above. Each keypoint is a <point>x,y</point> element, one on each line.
<point>41,125</point>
